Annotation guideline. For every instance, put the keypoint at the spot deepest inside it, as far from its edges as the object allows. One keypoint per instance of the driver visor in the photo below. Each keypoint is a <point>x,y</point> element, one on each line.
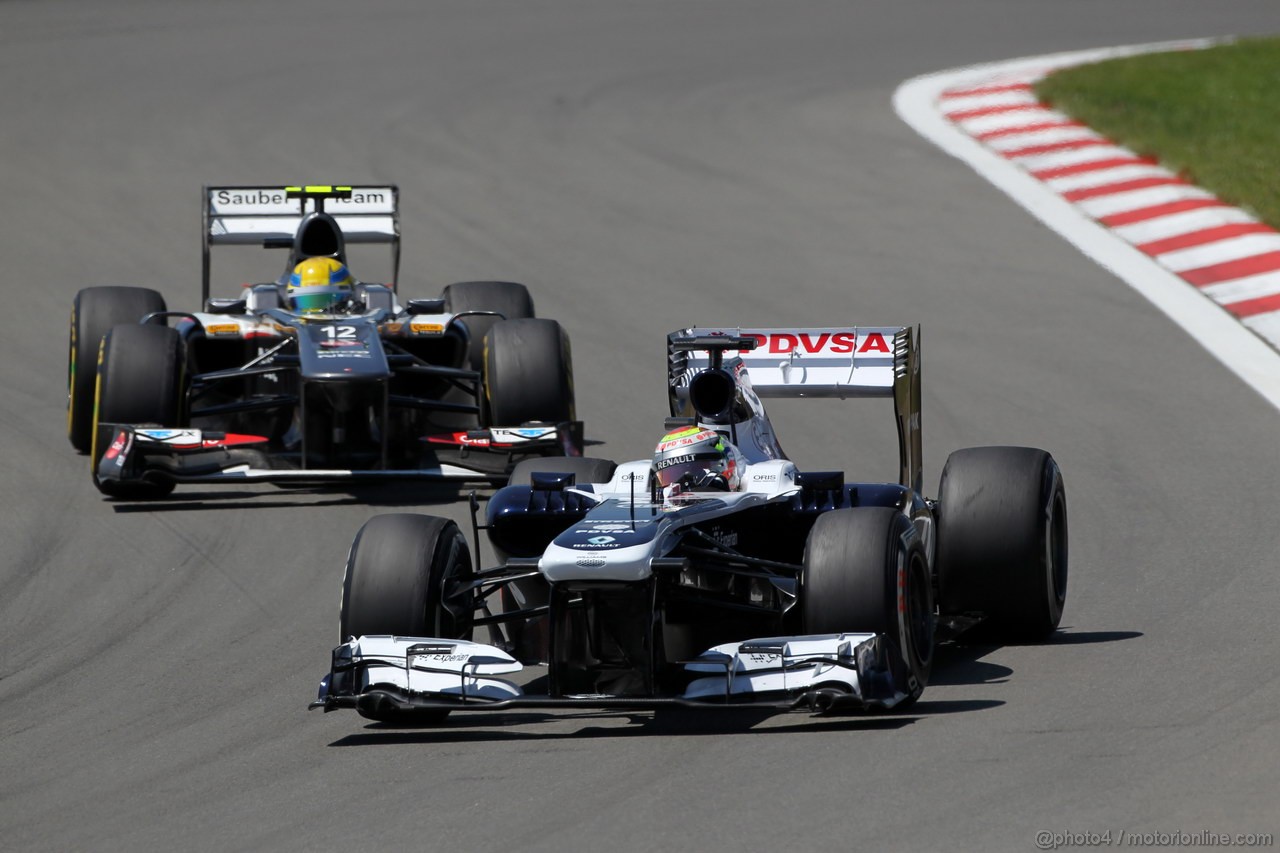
<point>698,466</point>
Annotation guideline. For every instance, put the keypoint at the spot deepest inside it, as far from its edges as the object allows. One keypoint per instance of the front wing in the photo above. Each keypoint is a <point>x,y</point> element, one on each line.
<point>381,674</point>
<point>139,455</point>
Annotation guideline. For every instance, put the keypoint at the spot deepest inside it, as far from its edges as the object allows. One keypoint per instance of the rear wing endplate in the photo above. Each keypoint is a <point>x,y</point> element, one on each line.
<point>269,216</point>
<point>855,361</point>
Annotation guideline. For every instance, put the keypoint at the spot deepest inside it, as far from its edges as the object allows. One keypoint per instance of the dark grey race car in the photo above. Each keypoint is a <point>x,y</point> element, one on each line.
<point>249,389</point>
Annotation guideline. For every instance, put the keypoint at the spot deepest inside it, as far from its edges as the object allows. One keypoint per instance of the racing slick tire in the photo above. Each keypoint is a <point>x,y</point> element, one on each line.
<point>93,313</point>
<point>866,570</point>
<point>586,469</point>
<point>528,373</point>
<point>396,582</point>
<point>1002,541</point>
<point>508,298</point>
<point>141,371</point>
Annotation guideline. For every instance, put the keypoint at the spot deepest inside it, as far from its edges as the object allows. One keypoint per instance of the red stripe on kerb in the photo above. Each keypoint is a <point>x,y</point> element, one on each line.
<point>1120,187</point>
<point>1204,235</point>
<point>1239,268</point>
<point>987,90</point>
<point>1026,128</point>
<point>1050,147</point>
<point>1142,214</point>
<point>1252,307</point>
<point>961,115</point>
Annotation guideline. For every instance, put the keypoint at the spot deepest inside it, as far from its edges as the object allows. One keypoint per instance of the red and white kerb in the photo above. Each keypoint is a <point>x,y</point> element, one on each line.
<point>1227,254</point>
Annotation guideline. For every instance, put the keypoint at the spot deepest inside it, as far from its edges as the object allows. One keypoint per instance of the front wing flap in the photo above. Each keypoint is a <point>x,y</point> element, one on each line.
<point>820,673</point>
<point>138,454</point>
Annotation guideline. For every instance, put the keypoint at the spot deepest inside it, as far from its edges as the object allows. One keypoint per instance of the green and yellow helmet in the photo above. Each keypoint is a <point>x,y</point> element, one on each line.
<point>318,285</point>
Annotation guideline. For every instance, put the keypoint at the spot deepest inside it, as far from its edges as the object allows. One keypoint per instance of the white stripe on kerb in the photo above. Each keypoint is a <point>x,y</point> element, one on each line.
<point>979,125</point>
<point>1077,157</point>
<point>1178,224</point>
<point>1102,177</point>
<point>1240,289</point>
<point>1123,202</point>
<point>1219,251</point>
<point>1052,136</point>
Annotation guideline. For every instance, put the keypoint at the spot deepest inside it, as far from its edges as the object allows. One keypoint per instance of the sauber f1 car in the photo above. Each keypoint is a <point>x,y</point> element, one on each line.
<point>781,588</point>
<point>273,385</point>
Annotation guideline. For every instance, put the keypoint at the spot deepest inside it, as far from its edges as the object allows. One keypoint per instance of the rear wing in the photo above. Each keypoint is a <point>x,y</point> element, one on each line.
<point>269,216</point>
<point>856,361</point>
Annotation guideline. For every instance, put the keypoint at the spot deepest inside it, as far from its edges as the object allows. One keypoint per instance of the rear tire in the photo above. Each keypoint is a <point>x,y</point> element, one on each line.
<point>1002,541</point>
<point>141,372</point>
<point>397,582</point>
<point>528,373</point>
<point>93,313</point>
<point>508,298</point>
<point>866,570</point>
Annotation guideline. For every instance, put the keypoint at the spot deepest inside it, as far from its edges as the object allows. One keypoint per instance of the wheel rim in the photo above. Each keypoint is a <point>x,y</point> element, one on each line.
<point>455,612</point>
<point>1057,550</point>
<point>454,615</point>
<point>919,611</point>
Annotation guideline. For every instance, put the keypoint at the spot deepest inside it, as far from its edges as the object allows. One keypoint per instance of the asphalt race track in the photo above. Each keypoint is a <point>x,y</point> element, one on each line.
<point>641,166</point>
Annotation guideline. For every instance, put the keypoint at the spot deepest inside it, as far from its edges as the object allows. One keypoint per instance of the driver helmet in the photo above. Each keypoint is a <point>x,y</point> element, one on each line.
<point>319,285</point>
<point>697,458</point>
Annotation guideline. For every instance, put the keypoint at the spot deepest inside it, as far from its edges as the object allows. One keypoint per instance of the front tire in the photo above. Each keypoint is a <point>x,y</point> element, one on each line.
<point>528,373</point>
<point>865,570</point>
<point>141,373</point>
<point>398,576</point>
<point>398,581</point>
<point>1002,541</point>
<point>93,313</point>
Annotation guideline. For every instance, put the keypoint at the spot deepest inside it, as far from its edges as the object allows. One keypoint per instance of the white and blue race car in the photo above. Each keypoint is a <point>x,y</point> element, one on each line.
<point>792,589</point>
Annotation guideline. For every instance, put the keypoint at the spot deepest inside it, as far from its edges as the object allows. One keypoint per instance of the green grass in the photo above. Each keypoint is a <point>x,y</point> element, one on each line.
<point>1212,116</point>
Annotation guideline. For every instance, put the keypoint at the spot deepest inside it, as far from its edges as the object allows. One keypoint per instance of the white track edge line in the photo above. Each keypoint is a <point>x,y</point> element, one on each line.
<point>1220,333</point>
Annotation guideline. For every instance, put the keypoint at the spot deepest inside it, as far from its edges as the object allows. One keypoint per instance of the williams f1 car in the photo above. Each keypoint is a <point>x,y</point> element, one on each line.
<point>262,387</point>
<point>780,588</point>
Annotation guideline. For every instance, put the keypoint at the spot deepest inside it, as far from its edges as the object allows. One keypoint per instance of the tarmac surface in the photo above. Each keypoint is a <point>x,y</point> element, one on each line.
<point>642,167</point>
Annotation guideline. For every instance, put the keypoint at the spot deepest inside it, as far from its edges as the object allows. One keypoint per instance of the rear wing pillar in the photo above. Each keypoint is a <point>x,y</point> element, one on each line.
<point>906,408</point>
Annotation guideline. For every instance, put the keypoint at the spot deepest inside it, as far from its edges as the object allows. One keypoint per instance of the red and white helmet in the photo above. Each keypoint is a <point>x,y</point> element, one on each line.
<point>697,458</point>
